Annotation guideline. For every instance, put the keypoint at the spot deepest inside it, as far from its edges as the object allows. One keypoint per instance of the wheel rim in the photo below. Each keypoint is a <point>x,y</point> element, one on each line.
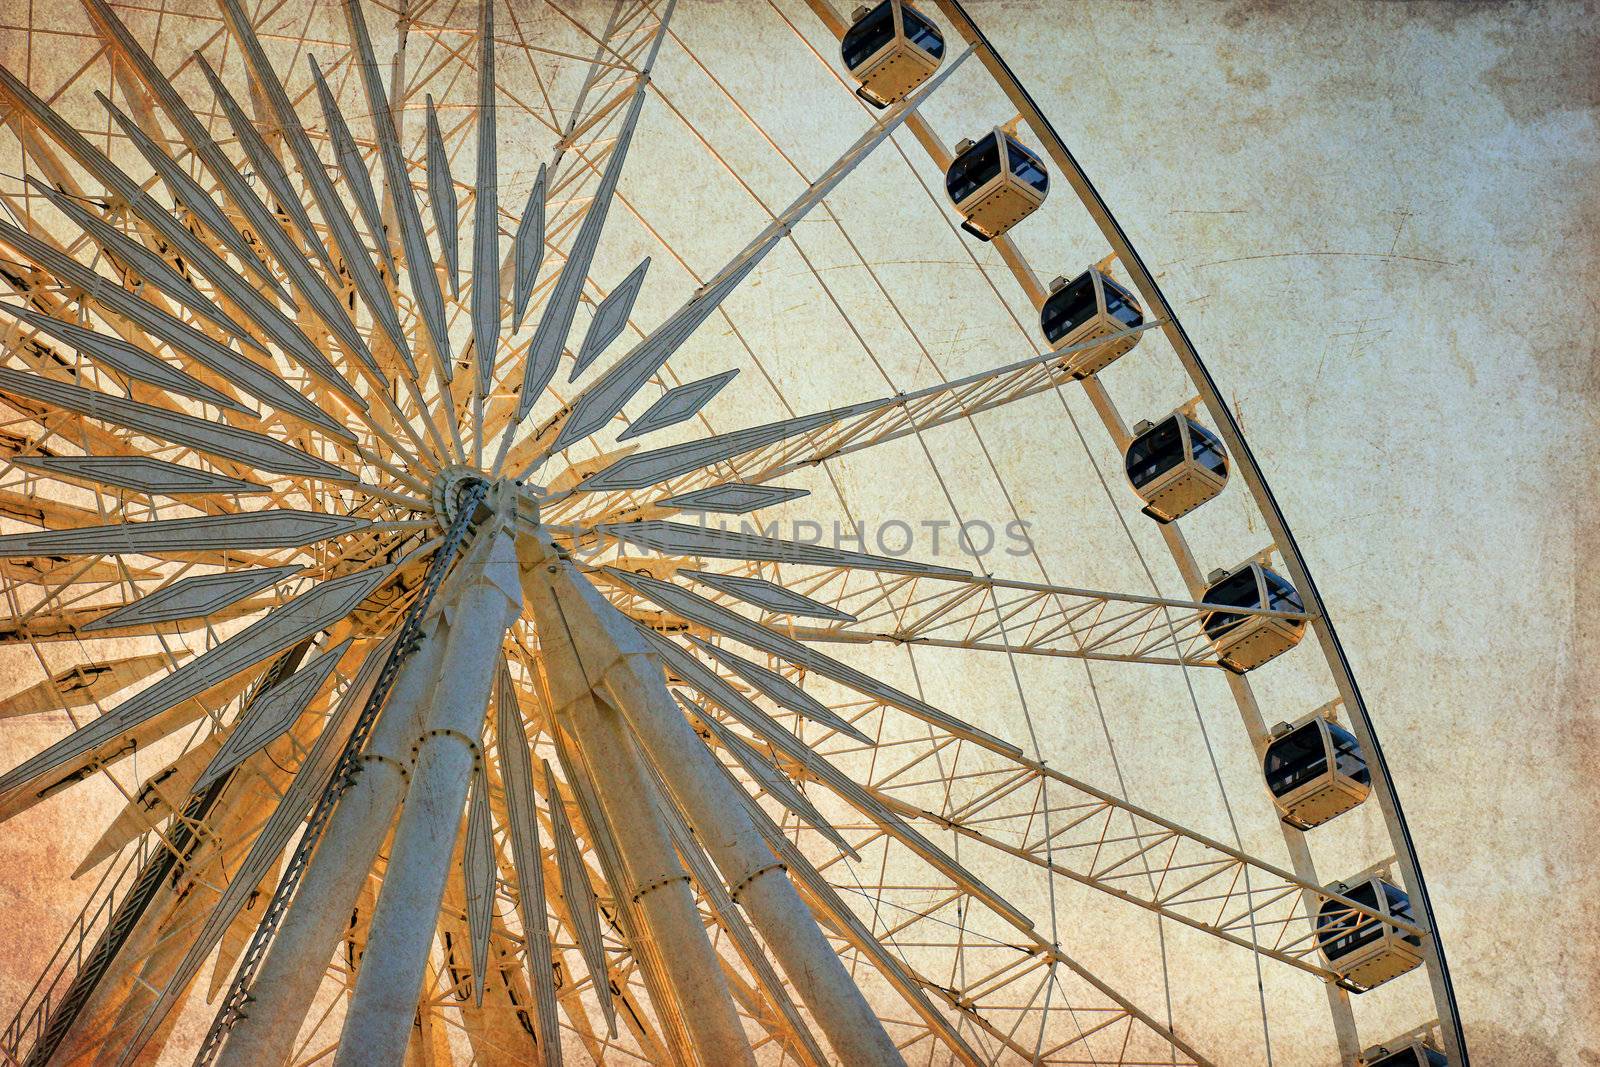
<point>924,897</point>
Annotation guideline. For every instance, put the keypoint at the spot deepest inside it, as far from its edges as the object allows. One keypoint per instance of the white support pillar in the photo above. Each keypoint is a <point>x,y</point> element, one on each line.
<point>757,880</point>
<point>576,655</point>
<point>297,960</point>
<point>657,881</point>
<point>378,1024</point>
<point>611,657</point>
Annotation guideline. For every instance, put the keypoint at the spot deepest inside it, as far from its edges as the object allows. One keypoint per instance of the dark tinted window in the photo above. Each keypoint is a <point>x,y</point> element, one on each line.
<point>920,32</point>
<point>972,169</point>
<point>1347,755</point>
<point>1295,759</point>
<point>1207,449</point>
<point>1026,166</point>
<point>1154,453</point>
<point>865,38</point>
<point>1068,308</point>
<point>1281,595</point>
<point>1121,305</point>
<point>1400,908</point>
<point>1237,590</point>
<point>1341,931</point>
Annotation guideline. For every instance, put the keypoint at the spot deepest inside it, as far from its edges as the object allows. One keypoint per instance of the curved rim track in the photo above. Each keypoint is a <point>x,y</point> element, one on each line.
<point>1283,537</point>
<point>378,509</point>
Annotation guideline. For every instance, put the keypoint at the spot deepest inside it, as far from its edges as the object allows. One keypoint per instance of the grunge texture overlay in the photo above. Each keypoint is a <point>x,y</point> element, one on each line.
<point>1379,224</point>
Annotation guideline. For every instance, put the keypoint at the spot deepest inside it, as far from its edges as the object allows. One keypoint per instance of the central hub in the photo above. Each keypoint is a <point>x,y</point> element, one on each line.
<point>453,483</point>
<point>450,488</point>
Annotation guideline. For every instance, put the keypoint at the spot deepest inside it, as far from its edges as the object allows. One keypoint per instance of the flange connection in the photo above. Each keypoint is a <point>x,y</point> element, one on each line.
<point>450,488</point>
<point>454,482</point>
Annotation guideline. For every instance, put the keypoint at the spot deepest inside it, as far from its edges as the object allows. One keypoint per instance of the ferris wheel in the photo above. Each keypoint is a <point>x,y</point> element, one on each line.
<point>424,424</point>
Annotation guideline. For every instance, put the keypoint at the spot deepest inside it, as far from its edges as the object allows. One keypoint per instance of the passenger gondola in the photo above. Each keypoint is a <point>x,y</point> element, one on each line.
<point>995,183</point>
<point>1404,1052</point>
<point>1315,771</point>
<point>1089,306</point>
<point>1175,465</point>
<point>1245,642</point>
<point>890,49</point>
<point>1362,950</point>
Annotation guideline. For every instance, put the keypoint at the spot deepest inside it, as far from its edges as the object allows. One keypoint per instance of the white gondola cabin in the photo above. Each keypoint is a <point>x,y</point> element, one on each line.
<point>1403,1052</point>
<point>1175,465</point>
<point>1362,950</point>
<point>1315,770</point>
<point>1090,306</point>
<point>995,183</point>
<point>1245,642</point>
<point>890,49</point>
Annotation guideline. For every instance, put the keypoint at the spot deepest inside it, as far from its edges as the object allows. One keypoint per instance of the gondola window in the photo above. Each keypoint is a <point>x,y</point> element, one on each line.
<point>868,36</point>
<point>974,169</point>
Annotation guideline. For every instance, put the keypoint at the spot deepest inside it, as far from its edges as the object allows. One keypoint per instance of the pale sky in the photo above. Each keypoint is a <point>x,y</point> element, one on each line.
<point>1350,206</point>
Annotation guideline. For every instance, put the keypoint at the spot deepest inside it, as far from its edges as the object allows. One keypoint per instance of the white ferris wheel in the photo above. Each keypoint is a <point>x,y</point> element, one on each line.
<point>471,537</point>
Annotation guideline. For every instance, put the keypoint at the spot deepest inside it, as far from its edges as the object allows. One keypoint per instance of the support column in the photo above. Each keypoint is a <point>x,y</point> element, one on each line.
<point>576,657</point>
<point>613,660</point>
<point>657,882</point>
<point>378,1024</point>
<point>757,881</point>
<point>297,960</point>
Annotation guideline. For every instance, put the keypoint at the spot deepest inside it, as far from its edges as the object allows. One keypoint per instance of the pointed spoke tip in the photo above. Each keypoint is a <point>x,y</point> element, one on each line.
<point>682,539</point>
<point>285,528</point>
<point>781,691</point>
<point>528,250</point>
<point>402,197</point>
<point>481,877</point>
<point>694,608</point>
<point>678,404</point>
<point>357,179</point>
<point>314,174</point>
<point>200,594</point>
<point>240,371</point>
<point>824,435</point>
<point>255,450</point>
<point>270,227</point>
<point>127,358</point>
<point>147,264</point>
<point>770,779</point>
<point>550,337</point>
<point>270,715</point>
<point>442,198</point>
<point>608,394</point>
<point>321,606</point>
<point>485,309</point>
<point>192,130</point>
<point>576,889</point>
<point>139,473</point>
<point>609,320</point>
<point>555,324</point>
<point>188,193</point>
<point>732,498</point>
<point>769,596</point>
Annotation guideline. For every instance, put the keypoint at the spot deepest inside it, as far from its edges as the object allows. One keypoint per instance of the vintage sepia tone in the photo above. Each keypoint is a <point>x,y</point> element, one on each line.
<point>721,556</point>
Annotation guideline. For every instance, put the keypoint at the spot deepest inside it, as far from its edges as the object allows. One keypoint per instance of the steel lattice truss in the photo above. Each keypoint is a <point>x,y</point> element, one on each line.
<point>304,365</point>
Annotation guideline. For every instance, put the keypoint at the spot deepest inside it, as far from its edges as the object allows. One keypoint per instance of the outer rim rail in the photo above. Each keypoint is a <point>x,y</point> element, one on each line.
<point>1272,513</point>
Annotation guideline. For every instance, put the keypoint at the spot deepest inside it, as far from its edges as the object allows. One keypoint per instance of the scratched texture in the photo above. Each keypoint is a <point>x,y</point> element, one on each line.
<point>1379,224</point>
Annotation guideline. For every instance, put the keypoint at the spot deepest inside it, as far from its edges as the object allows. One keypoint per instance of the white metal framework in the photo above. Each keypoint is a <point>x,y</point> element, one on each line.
<point>398,573</point>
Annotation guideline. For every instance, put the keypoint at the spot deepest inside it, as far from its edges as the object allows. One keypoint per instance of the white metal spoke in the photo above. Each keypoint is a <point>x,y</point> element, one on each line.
<point>418,759</point>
